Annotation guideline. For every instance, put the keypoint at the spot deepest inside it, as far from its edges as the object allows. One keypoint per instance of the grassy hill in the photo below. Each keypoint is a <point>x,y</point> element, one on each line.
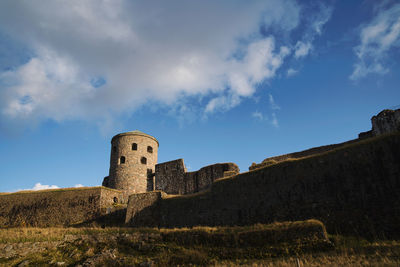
<point>303,243</point>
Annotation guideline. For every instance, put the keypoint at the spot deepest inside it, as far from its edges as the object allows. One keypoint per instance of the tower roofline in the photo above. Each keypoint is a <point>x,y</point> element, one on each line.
<point>135,132</point>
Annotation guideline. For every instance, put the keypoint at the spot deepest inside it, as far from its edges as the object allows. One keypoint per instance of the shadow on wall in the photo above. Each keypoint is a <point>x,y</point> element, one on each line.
<point>354,190</point>
<point>114,217</point>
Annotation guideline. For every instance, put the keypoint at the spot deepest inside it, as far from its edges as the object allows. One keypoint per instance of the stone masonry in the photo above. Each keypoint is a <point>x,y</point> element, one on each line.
<point>134,169</point>
<point>353,189</point>
<point>172,177</point>
<point>386,121</point>
<point>132,163</point>
<point>56,207</point>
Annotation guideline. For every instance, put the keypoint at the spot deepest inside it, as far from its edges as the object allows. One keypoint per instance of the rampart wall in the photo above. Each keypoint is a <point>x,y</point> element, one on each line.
<point>58,207</point>
<point>300,154</point>
<point>172,177</point>
<point>387,121</point>
<point>353,189</point>
<point>149,206</point>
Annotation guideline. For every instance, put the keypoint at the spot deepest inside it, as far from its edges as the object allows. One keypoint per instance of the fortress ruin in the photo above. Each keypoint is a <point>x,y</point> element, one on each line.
<point>132,163</point>
<point>134,169</point>
<point>358,179</point>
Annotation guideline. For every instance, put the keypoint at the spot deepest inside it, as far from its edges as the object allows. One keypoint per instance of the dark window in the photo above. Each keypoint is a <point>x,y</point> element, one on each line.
<point>150,180</point>
<point>134,146</point>
<point>115,200</point>
<point>114,149</point>
<point>143,160</point>
<point>122,160</point>
<point>149,149</point>
<point>150,184</point>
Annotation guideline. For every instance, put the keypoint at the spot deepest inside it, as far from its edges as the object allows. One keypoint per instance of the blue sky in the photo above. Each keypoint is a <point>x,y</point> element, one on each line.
<point>213,81</point>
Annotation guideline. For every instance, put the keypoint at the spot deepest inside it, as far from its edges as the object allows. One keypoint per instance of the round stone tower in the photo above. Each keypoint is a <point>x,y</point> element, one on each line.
<point>132,163</point>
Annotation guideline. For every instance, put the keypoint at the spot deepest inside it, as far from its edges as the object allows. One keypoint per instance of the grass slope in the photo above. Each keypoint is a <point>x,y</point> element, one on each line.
<point>302,243</point>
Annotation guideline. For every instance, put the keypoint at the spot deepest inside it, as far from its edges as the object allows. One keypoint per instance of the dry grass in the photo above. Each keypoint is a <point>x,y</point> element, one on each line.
<point>198,245</point>
<point>18,235</point>
<point>56,190</point>
<point>298,229</point>
<point>278,244</point>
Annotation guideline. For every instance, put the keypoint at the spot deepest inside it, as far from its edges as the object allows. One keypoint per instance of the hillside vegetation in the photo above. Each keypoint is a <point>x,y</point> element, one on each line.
<point>302,243</point>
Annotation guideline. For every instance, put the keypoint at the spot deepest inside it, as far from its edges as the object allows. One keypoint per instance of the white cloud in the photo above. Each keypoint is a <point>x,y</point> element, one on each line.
<point>39,186</point>
<point>93,59</point>
<point>222,103</point>
<point>317,20</point>
<point>258,115</point>
<point>272,103</point>
<point>302,49</point>
<point>274,120</point>
<point>259,63</point>
<point>291,72</point>
<point>322,17</point>
<point>262,117</point>
<point>377,38</point>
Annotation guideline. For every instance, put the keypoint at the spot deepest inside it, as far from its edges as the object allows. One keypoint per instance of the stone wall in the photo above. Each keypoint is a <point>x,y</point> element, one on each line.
<point>147,205</point>
<point>110,197</point>
<point>354,189</point>
<point>129,171</point>
<point>202,179</point>
<point>298,155</point>
<point>386,121</point>
<point>58,207</point>
<point>172,177</point>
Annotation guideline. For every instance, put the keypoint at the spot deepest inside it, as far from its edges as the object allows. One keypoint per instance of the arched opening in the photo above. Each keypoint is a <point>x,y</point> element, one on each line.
<point>122,160</point>
<point>114,149</point>
<point>149,149</point>
<point>115,200</point>
<point>134,146</point>
<point>143,160</point>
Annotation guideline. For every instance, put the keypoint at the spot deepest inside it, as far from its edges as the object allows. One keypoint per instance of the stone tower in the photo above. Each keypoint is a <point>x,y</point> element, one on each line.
<point>132,163</point>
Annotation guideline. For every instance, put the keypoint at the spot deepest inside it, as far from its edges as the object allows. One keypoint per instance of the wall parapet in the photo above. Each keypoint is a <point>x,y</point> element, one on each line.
<point>298,155</point>
<point>387,121</point>
<point>173,178</point>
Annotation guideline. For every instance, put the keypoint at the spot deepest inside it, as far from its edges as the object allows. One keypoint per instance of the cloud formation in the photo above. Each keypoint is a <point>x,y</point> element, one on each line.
<point>291,72</point>
<point>274,120</point>
<point>316,22</point>
<point>258,116</point>
<point>272,103</point>
<point>377,38</point>
<point>94,59</point>
<point>302,49</point>
<point>39,186</point>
